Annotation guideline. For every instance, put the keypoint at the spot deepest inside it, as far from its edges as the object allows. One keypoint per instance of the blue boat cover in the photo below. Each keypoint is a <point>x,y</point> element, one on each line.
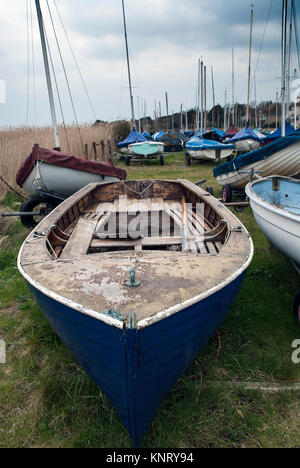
<point>158,136</point>
<point>147,135</point>
<point>218,131</point>
<point>189,133</point>
<point>254,156</point>
<point>197,143</point>
<point>133,137</point>
<point>245,134</point>
<point>288,130</point>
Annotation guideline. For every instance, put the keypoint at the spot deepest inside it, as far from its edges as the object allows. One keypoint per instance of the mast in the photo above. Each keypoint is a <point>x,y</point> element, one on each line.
<point>233,97</point>
<point>283,65</point>
<point>214,100</point>
<point>128,67</point>
<point>249,66</point>
<point>47,71</point>
<point>167,108</point>
<point>198,97</point>
<point>205,113</point>
<point>202,97</point>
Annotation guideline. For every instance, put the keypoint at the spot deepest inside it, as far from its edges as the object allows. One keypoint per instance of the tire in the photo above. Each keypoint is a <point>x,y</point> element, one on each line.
<point>210,190</point>
<point>297,307</point>
<point>238,208</point>
<point>33,205</point>
<point>127,160</point>
<point>162,161</point>
<point>226,194</point>
<point>187,160</point>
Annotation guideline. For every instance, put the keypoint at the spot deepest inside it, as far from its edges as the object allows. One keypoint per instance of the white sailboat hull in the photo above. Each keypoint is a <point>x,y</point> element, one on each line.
<point>59,180</point>
<point>209,154</point>
<point>283,163</point>
<point>244,146</point>
<point>281,227</point>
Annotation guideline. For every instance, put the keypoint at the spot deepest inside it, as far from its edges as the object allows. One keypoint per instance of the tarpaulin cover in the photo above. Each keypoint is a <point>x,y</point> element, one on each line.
<point>133,137</point>
<point>171,139</point>
<point>288,130</point>
<point>218,131</point>
<point>254,156</point>
<point>231,132</point>
<point>212,135</point>
<point>60,159</point>
<point>147,135</point>
<point>196,143</point>
<point>245,134</point>
<point>157,136</point>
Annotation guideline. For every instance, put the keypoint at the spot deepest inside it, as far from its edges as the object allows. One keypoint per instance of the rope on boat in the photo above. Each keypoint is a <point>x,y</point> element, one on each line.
<point>134,191</point>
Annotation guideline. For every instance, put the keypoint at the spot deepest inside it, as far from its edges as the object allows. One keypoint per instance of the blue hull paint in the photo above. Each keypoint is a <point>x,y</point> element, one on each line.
<point>137,368</point>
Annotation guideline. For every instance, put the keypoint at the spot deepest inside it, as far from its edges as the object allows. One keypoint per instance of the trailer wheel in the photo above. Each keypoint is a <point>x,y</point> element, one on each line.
<point>127,160</point>
<point>226,194</point>
<point>210,190</point>
<point>187,160</point>
<point>33,204</point>
<point>297,307</point>
<point>238,208</point>
<point>161,159</point>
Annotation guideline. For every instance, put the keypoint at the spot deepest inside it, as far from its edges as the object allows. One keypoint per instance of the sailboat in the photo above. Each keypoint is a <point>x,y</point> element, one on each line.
<point>136,147</point>
<point>49,176</point>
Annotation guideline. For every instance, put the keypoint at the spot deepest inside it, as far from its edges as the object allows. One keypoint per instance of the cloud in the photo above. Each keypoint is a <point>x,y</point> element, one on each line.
<point>166,39</point>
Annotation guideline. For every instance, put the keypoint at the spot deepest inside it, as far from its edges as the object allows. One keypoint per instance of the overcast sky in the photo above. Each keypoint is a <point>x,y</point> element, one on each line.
<point>166,38</point>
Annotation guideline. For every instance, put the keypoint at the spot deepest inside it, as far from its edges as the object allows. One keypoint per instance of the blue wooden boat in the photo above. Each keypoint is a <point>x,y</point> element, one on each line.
<point>135,277</point>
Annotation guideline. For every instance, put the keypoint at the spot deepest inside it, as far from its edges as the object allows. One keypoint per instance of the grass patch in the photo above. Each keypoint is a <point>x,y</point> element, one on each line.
<point>47,400</point>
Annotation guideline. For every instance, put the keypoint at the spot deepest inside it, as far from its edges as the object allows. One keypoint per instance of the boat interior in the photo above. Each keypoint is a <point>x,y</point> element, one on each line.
<point>148,232</point>
<point>138,216</point>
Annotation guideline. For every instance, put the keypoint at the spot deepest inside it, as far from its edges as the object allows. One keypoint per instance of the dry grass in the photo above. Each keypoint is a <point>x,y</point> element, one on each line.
<point>16,144</point>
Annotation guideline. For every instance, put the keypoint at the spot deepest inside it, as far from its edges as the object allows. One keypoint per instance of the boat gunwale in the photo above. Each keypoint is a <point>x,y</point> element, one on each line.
<point>160,315</point>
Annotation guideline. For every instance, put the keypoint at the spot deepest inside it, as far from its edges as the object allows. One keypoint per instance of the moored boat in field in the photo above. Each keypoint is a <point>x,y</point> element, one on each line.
<point>207,150</point>
<point>281,157</point>
<point>50,176</point>
<point>135,277</point>
<point>275,202</point>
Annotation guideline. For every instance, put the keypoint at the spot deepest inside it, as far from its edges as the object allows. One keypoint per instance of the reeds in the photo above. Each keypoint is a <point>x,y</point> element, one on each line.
<point>16,144</point>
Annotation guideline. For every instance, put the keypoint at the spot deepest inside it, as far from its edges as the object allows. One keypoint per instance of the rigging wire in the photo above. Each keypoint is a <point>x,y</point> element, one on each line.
<point>262,41</point>
<point>57,91</point>
<point>66,77</point>
<point>76,62</point>
<point>296,33</point>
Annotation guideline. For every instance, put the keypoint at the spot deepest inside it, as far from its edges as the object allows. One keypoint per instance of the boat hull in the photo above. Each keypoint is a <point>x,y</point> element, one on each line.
<point>243,146</point>
<point>136,368</point>
<point>135,339</point>
<point>61,181</point>
<point>146,150</point>
<point>209,155</point>
<point>279,225</point>
<point>282,163</point>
